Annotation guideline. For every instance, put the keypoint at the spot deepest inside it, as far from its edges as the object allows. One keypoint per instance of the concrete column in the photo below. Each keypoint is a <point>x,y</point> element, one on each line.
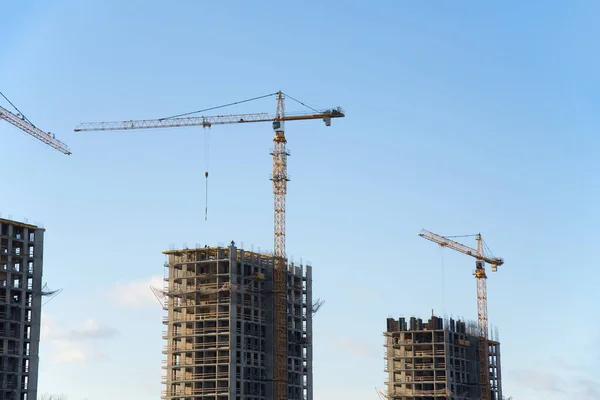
<point>449,360</point>
<point>498,371</point>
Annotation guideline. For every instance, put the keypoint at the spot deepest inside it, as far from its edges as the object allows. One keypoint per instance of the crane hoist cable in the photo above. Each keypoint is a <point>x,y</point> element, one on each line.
<point>206,154</point>
<point>299,102</point>
<point>217,107</point>
<point>240,102</point>
<point>207,139</point>
<point>443,280</point>
<point>207,134</point>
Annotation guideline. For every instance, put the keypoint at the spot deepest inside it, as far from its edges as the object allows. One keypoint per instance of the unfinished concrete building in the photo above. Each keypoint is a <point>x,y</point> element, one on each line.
<point>21,247</point>
<point>220,326</point>
<point>437,360</point>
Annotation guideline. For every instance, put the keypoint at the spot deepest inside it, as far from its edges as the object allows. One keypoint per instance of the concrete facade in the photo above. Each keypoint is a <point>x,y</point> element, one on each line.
<point>220,326</point>
<point>437,360</point>
<point>21,256</point>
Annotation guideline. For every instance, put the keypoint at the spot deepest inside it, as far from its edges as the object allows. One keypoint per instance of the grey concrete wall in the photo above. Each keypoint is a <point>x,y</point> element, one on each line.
<point>21,283</point>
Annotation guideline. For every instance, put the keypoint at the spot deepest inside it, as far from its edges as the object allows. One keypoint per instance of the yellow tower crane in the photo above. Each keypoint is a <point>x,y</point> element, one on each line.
<point>279,178</point>
<point>482,314</point>
<point>21,122</point>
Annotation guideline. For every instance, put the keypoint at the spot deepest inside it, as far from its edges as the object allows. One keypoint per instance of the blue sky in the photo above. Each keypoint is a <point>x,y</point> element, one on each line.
<point>462,117</point>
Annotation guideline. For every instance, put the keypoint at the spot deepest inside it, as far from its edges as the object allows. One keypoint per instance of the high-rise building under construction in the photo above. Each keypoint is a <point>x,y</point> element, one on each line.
<point>438,359</point>
<point>21,248</point>
<point>219,303</point>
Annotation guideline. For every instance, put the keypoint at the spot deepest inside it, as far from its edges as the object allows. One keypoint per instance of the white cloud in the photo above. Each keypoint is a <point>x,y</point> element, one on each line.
<point>74,345</point>
<point>70,355</point>
<point>91,330</point>
<point>137,294</point>
<point>540,381</point>
<point>590,389</point>
<point>347,393</point>
<point>543,381</point>
<point>47,325</point>
<point>359,349</point>
<point>567,366</point>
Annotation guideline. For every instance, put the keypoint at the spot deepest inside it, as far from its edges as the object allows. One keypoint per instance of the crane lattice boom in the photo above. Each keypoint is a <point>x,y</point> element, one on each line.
<point>205,122</point>
<point>444,241</point>
<point>30,129</point>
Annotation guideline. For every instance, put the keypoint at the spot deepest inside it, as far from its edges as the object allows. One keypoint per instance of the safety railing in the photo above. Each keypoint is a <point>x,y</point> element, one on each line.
<point>185,361</point>
<point>216,391</point>
<point>424,353</point>
<point>195,377</point>
<point>411,392</point>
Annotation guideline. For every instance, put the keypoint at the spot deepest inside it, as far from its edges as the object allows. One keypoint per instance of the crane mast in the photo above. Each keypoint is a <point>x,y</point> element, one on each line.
<point>482,315</point>
<point>280,180</point>
<point>481,277</point>
<point>29,128</point>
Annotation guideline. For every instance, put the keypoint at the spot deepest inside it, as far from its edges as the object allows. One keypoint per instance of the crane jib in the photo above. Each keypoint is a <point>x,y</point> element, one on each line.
<point>205,121</point>
<point>24,125</point>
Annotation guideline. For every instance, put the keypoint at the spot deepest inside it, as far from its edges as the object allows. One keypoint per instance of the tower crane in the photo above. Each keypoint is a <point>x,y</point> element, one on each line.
<point>279,178</point>
<point>482,315</point>
<point>26,126</point>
